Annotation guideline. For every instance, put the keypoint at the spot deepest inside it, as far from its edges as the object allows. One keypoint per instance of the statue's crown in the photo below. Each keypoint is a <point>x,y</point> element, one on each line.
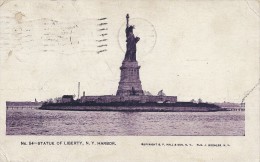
<point>131,27</point>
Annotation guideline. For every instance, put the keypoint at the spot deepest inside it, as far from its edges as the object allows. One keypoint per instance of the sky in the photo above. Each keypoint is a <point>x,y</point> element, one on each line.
<point>190,49</point>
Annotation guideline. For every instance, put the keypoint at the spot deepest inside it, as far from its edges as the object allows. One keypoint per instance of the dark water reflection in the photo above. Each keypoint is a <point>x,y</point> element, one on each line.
<point>91,123</point>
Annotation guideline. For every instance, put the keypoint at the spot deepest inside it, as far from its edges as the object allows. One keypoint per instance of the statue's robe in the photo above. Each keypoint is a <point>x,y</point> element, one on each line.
<point>130,46</point>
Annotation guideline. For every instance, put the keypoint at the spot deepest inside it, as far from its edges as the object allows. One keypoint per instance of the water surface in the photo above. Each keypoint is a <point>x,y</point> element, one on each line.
<point>102,123</point>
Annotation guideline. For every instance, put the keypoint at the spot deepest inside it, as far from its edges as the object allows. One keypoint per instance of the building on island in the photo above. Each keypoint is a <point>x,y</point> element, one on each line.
<point>67,98</point>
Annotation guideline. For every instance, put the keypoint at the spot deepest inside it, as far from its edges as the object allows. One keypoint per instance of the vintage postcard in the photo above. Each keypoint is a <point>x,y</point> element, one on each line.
<point>129,80</point>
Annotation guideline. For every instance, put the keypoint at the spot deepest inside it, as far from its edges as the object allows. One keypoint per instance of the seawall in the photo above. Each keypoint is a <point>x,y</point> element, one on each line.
<point>130,109</point>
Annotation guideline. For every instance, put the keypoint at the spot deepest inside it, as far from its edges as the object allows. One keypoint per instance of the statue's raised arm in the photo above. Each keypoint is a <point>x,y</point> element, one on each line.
<point>131,42</point>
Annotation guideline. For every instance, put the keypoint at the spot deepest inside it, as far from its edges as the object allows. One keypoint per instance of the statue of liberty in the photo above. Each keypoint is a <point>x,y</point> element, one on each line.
<point>131,42</point>
<point>130,83</point>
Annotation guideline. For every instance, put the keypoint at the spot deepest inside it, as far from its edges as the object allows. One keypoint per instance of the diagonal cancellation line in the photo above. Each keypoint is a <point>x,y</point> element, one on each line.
<point>102,51</point>
<point>102,45</point>
<point>104,18</point>
<point>101,40</point>
<point>101,24</point>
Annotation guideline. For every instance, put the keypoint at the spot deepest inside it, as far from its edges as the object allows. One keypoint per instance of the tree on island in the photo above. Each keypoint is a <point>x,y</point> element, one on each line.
<point>148,93</point>
<point>57,100</point>
<point>160,93</point>
<point>193,101</point>
<point>50,100</point>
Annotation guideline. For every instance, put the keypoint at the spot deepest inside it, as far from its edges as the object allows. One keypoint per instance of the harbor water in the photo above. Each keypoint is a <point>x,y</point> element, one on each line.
<point>104,123</point>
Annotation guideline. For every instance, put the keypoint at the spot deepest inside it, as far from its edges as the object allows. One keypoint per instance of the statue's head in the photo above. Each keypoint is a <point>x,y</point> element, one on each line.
<point>130,28</point>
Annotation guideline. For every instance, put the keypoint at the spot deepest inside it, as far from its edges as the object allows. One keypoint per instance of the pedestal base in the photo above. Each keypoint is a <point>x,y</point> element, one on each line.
<point>130,83</point>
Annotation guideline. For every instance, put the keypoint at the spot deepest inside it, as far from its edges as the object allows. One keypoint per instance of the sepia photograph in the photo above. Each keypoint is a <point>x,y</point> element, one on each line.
<point>129,69</point>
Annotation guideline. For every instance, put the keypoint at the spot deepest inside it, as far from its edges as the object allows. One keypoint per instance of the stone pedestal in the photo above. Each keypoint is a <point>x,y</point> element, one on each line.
<point>130,83</point>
